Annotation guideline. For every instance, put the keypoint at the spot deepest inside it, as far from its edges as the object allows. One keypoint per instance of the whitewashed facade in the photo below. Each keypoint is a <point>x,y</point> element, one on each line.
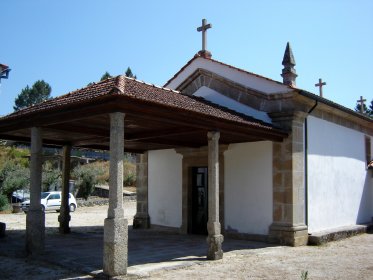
<point>324,185</point>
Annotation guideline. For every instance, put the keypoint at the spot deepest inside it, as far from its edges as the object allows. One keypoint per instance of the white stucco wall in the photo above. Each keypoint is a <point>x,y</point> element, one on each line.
<point>248,187</point>
<point>165,190</point>
<point>339,186</point>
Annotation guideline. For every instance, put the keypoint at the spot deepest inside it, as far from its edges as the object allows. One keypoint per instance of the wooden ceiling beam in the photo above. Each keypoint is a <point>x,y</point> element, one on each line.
<point>173,143</point>
<point>154,134</point>
<point>46,141</point>
<point>81,129</point>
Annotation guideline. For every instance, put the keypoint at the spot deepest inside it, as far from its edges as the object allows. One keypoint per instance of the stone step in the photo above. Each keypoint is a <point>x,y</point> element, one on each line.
<point>322,237</point>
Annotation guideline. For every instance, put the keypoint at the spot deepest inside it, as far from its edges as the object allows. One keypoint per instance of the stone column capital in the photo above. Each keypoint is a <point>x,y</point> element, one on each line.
<point>213,135</point>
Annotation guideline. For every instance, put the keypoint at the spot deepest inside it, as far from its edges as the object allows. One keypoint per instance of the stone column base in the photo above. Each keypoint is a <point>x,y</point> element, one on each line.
<point>64,220</point>
<point>2,229</point>
<point>115,246</point>
<point>35,232</point>
<point>214,247</point>
<point>288,235</point>
<point>141,221</point>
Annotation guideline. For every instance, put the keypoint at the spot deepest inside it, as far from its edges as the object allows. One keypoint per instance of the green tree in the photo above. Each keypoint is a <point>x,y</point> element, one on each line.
<point>129,73</point>
<point>13,177</point>
<point>39,92</point>
<point>14,170</point>
<point>105,76</point>
<point>3,202</point>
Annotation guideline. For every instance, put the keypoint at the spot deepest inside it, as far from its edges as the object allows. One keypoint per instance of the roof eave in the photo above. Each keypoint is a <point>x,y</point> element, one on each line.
<point>333,104</point>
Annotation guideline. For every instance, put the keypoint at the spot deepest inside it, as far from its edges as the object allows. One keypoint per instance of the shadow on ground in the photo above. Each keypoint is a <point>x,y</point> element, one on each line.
<point>82,250</point>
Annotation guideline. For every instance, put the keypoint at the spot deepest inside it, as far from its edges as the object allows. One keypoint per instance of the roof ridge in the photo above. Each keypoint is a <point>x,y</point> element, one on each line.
<point>224,64</point>
<point>87,86</point>
<point>152,85</point>
<point>119,84</point>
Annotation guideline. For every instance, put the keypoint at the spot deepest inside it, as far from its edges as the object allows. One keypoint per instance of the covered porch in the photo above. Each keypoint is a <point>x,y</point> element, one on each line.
<point>81,252</point>
<point>125,115</point>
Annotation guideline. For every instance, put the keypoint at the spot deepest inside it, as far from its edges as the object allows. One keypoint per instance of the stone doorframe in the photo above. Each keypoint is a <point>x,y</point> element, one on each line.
<point>196,158</point>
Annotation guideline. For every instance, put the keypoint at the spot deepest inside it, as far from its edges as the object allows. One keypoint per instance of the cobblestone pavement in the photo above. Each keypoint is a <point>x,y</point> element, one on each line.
<point>157,255</point>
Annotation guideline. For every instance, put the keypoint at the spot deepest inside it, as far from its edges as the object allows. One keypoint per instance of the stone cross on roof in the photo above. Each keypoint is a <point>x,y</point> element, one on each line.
<point>361,101</point>
<point>320,84</point>
<point>203,29</point>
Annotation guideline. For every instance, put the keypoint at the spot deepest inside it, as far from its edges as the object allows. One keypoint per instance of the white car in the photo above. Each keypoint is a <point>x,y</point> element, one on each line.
<point>51,201</point>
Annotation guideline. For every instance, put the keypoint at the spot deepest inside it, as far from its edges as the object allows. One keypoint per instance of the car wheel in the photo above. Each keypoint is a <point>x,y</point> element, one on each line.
<point>42,208</point>
<point>72,207</point>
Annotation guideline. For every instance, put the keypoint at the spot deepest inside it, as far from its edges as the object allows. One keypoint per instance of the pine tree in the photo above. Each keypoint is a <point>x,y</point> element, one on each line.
<point>39,92</point>
<point>105,76</point>
<point>358,107</point>
<point>129,73</point>
<point>367,110</point>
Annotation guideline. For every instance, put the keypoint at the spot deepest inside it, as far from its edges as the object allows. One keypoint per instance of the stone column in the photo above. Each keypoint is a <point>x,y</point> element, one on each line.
<point>116,226</point>
<point>35,219</point>
<point>64,217</point>
<point>215,238</point>
<point>288,225</point>
<point>142,219</point>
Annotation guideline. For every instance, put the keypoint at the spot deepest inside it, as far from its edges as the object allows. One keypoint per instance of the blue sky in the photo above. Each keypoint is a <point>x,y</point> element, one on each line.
<point>71,43</point>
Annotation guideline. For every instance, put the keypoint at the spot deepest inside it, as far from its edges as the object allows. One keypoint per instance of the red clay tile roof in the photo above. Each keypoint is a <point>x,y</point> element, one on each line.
<point>174,99</point>
<point>134,89</point>
<point>91,92</point>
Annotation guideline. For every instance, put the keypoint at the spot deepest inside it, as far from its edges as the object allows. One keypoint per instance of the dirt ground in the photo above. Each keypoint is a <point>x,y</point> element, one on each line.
<point>347,259</point>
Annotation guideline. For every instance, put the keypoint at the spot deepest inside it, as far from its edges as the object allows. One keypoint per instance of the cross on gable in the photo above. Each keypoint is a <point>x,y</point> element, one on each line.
<point>320,84</point>
<point>204,28</point>
<point>361,101</point>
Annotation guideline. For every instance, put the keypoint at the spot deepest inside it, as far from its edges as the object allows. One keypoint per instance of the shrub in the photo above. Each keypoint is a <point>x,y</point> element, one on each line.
<point>129,174</point>
<point>101,170</point>
<point>304,275</point>
<point>85,180</point>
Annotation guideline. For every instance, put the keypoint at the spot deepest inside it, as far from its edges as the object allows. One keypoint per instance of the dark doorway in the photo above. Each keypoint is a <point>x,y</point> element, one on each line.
<point>199,200</point>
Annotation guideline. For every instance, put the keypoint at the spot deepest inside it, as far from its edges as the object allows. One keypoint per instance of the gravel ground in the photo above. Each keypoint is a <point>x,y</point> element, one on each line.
<point>347,259</point>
